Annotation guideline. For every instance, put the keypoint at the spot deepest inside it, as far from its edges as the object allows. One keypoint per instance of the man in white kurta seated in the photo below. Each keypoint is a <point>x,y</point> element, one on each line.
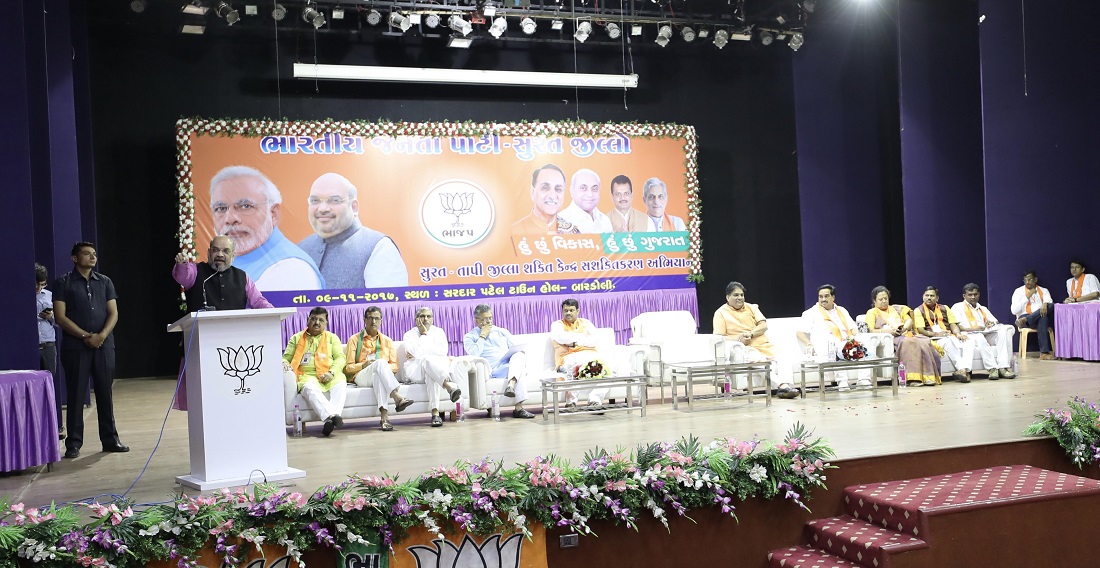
<point>992,340</point>
<point>1082,286</point>
<point>315,359</point>
<point>575,344</point>
<point>938,323</point>
<point>824,329</point>
<point>372,360</point>
<point>426,361</point>
<point>1033,307</point>
<point>492,343</point>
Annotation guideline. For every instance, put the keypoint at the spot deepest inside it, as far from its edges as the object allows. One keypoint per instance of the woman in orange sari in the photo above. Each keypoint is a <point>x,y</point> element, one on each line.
<point>921,360</point>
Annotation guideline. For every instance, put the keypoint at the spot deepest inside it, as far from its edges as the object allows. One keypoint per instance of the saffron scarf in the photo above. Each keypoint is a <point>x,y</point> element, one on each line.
<point>1041,301</point>
<point>929,321</point>
<point>833,327</point>
<point>970,315</point>
<point>323,356</point>
<point>1078,284</point>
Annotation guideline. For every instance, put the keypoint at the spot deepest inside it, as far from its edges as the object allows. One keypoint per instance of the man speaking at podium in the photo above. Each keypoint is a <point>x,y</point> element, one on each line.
<point>216,284</point>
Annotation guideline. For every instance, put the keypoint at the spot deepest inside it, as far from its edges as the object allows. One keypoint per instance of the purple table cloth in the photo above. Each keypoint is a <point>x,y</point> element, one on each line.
<point>517,315</point>
<point>28,420</point>
<point>1077,331</point>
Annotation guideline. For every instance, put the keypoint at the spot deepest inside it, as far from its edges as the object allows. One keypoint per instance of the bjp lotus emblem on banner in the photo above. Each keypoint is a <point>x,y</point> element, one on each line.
<point>457,213</point>
<point>241,363</point>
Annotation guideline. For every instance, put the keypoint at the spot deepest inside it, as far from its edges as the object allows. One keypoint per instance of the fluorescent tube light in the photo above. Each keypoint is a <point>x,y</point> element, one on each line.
<point>462,76</point>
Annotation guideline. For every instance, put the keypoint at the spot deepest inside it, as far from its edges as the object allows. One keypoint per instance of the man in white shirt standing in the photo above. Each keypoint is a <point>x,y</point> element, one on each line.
<point>426,361</point>
<point>1032,306</point>
<point>1081,287</point>
<point>976,320</point>
<point>582,212</point>
<point>823,331</point>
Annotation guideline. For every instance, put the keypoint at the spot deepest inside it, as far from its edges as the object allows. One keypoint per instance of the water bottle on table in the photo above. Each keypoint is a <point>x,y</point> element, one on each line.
<point>298,428</point>
<point>495,407</point>
<point>901,375</point>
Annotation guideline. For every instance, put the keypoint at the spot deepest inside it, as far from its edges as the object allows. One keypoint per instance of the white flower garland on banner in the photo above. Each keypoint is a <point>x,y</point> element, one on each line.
<point>185,127</point>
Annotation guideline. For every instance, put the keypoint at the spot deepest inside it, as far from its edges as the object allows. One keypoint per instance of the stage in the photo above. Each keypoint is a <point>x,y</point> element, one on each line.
<point>856,424</point>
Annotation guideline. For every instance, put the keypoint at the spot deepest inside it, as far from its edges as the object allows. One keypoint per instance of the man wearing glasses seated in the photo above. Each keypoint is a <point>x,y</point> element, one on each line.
<point>315,357</point>
<point>246,207</point>
<point>349,254</point>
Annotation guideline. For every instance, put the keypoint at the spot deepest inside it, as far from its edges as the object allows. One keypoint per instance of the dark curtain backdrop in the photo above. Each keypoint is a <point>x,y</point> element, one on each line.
<point>145,75</point>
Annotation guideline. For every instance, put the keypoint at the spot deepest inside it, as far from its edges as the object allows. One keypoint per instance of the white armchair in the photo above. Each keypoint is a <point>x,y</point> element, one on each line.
<point>670,337</point>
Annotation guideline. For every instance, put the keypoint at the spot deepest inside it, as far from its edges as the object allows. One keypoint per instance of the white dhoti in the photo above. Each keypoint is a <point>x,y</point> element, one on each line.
<point>579,358</point>
<point>961,353</point>
<point>380,377</point>
<point>323,404</point>
<point>994,346</point>
<point>434,370</point>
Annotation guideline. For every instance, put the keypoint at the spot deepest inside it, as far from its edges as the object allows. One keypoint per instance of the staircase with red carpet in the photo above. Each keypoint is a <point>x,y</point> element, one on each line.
<point>885,520</point>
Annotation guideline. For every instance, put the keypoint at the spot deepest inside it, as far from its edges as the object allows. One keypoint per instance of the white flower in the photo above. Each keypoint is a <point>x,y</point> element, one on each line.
<point>758,473</point>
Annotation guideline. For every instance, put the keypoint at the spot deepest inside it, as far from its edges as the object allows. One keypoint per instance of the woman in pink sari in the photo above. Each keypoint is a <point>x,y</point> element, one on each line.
<point>921,360</point>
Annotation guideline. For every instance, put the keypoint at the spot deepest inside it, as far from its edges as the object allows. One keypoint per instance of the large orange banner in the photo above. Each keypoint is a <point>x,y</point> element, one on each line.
<point>329,213</point>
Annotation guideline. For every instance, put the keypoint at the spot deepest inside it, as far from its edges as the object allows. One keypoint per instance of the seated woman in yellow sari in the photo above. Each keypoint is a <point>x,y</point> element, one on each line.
<point>917,353</point>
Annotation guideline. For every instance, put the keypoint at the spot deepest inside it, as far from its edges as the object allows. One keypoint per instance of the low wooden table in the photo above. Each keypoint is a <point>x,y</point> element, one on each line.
<point>714,374</point>
<point>831,366</point>
<point>558,386</point>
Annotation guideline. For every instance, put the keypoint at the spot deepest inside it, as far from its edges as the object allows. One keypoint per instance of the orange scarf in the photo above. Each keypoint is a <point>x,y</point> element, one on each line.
<point>833,327</point>
<point>970,315</point>
<point>929,321</point>
<point>322,359</point>
<point>889,316</point>
<point>1040,290</point>
<point>1075,291</point>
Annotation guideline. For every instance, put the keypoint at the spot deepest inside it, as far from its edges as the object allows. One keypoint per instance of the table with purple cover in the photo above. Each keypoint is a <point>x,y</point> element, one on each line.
<point>28,420</point>
<point>1077,329</point>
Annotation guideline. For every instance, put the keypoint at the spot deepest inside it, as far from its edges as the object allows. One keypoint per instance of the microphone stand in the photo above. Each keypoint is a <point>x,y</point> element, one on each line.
<point>207,307</point>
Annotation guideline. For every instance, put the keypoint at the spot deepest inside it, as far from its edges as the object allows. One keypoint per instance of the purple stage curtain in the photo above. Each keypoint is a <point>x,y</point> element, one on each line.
<point>28,420</point>
<point>1077,331</point>
<point>518,315</point>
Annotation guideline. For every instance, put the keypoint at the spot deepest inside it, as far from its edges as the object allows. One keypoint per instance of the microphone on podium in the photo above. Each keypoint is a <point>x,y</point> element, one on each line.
<point>207,307</point>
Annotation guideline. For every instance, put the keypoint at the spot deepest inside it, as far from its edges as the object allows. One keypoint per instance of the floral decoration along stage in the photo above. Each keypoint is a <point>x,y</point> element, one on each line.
<point>185,127</point>
<point>657,480</point>
<point>1076,428</point>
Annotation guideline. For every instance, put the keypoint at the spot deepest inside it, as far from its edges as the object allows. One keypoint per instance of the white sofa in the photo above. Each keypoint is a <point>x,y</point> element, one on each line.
<point>363,403</point>
<point>671,337</point>
<point>539,349</point>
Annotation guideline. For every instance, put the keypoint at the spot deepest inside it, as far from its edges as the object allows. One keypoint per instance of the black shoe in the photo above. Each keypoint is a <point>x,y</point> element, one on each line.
<point>118,448</point>
<point>456,394</point>
<point>510,390</point>
<point>338,421</point>
<point>72,453</point>
<point>788,393</point>
<point>437,421</point>
<point>329,426</point>
<point>405,403</point>
<point>522,413</point>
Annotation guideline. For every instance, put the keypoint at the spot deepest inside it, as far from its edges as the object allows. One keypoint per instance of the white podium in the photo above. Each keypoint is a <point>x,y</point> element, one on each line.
<point>235,402</point>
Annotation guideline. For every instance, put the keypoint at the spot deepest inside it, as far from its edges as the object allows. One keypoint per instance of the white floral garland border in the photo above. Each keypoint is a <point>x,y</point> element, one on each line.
<point>185,127</point>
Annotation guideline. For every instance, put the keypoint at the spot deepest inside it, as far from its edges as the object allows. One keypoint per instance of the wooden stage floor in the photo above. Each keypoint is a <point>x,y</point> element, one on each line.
<point>855,423</point>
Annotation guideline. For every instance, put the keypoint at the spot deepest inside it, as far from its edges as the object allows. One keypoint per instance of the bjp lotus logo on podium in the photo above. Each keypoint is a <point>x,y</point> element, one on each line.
<point>241,363</point>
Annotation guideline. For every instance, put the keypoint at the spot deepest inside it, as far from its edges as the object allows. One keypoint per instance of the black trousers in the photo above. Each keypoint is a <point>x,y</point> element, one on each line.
<point>47,361</point>
<point>99,366</point>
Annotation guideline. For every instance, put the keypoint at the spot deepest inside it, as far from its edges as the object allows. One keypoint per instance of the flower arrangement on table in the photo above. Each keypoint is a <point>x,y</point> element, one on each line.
<point>482,498</point>
<point>853,350</point>
<point>594,369</point>
<point>1076,428</point>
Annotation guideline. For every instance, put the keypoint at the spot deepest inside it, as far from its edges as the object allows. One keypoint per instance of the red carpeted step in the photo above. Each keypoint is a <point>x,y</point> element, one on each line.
<point>805,557</point>
<point>858,540</point>
<point>904,505</point>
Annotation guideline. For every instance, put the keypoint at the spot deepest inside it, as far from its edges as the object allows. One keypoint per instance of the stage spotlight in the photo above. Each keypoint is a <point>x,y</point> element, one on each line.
<point>636,29</point>
<point>781,19</point>
<point>195,8</point>
<point>431,20</point>
<point>704,33</point>
<point>557,24</point>
<point>460,42</point>
<point>664,33</point>
<point>766,38</point>
<point>278,13</point>
<point>688,34</point>
<point>527,25</point>
<point>584,29</point>
<point>498,28</point>
<point>137,6</point>
<point>400,21</point>
<point>460,25</point>
<point>796,41</point>
<point>613,30</point>
<point>227,13</point>
<point>721,38</point>
<point>374,17</point>
<point>312,17</point>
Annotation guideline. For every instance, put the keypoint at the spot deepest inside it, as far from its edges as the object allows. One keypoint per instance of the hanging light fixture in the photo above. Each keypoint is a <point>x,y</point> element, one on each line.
<point>613,30</point>
<point>311,16</point>
<point>500,25</point>
<point>721,38</point>
<point>664,33</point>
<point>400,21</point>
<point>460,25</point>
<point>227,13</point>
<point>527,25</point>
<point>688,34</point>
<point>584,29</point>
